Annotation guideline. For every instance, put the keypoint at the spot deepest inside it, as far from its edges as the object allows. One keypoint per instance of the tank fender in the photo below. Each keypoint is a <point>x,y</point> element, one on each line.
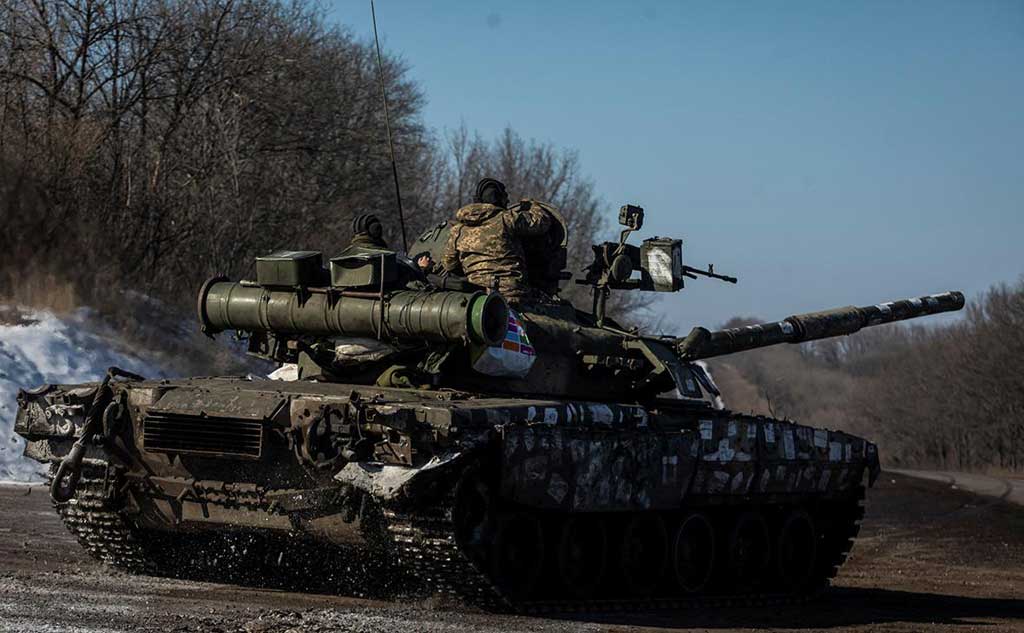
<point>741,455</point>
<point>391,484</point>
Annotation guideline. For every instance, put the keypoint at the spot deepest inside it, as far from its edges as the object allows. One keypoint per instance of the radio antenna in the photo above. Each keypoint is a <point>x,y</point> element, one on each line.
<point>387,125</point>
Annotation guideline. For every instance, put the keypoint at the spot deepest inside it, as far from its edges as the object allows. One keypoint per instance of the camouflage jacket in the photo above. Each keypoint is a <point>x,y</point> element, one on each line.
<point>485,245</point>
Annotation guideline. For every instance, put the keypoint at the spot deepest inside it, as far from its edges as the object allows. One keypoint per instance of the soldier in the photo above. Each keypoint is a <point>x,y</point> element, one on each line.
<point>485,243</point>
<point>367,231</point>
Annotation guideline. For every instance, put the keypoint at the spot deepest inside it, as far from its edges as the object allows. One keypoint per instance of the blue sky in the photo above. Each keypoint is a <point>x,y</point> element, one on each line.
<point>826,153</point>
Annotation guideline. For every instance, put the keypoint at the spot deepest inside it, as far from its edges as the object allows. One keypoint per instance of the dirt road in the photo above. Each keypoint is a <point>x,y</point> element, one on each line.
<point>1006,488</point>
<point>930,559</point>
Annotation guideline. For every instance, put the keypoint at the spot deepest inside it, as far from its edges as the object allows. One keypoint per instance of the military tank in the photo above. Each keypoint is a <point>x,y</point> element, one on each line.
<point>536,458</point>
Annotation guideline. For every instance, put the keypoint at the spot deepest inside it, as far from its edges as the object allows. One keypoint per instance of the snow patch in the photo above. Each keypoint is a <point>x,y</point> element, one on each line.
<point>37,347</point>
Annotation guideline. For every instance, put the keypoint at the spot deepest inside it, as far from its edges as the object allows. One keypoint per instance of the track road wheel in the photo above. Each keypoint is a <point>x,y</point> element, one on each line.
<point>796,551</point>
<point>517,554</point>
<point>643,553</point>
<point>582,555</point>
<point>694,552</point>
<point>749,551</point>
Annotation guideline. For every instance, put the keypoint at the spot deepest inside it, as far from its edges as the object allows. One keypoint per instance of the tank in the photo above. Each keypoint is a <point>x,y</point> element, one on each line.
<point>532,457</point>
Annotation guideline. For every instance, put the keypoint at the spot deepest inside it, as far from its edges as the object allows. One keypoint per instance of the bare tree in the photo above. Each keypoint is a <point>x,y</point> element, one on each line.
<point>178,139</point>
<point>539,171</point>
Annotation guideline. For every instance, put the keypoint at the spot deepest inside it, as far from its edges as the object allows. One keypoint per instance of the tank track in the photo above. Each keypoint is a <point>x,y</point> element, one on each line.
<point>427,548</point>
<point>100,527</point>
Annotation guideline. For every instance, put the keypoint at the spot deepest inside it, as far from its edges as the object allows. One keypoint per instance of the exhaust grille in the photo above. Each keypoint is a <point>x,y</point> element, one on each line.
<point>199,435</point>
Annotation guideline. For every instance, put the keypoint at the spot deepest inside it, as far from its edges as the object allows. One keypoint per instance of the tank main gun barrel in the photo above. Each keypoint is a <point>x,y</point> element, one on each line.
<point>702,343</point>
<point>443,316</point>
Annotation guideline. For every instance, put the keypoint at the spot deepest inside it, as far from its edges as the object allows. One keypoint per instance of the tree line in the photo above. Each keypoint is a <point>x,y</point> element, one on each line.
<point>947,396</point>
<point>170,140</point>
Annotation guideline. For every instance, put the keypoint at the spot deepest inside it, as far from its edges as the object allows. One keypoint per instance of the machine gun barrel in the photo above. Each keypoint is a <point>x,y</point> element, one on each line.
<point>692,273</point>
<point>443,316</point>
<point>702,343</point>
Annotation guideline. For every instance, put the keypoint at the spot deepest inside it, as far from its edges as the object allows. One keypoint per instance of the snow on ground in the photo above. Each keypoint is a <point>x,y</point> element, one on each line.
<point>37,347</point>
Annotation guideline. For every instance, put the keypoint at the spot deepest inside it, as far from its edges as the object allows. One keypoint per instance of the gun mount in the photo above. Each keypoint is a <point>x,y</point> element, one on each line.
<point>655,266</point>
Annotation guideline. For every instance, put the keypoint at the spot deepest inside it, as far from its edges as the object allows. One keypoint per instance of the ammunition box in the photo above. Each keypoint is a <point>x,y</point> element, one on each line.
<point>661,260</point>
<point>363,269</point>
<point>290,269</point>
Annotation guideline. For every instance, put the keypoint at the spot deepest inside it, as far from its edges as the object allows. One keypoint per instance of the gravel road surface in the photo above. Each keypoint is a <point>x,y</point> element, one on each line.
<point>1007,488</point>
<point>930,558</point>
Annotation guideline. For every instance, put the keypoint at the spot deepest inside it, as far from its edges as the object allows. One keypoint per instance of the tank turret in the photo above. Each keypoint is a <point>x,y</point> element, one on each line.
<point>298,311</point>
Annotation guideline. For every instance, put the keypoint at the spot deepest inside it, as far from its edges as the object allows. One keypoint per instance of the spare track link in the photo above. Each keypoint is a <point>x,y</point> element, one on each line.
<point>99,526</point>
<point>427,548</point>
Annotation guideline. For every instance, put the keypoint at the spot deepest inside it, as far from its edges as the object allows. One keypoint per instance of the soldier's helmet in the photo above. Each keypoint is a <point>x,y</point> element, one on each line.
<point>367,224</point>
<point>491,191</point>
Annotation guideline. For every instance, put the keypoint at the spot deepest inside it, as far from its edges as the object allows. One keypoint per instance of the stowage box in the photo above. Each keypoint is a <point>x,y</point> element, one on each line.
<point>661,263</point>
<point>290,269</point>
<point>363,270</point>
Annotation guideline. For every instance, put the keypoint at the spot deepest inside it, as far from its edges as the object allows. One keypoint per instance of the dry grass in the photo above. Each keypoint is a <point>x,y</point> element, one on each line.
<point>38,290</point>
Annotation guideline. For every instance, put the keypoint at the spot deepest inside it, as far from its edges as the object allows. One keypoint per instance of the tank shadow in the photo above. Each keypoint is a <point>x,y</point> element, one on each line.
<point>839,607</point>
<point>300,565</point>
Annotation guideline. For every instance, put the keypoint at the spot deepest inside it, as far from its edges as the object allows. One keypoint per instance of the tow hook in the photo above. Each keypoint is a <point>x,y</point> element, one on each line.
<point>65,481</point>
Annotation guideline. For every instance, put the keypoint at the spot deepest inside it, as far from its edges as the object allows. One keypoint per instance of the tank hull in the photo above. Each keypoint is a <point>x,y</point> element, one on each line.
<point>508,502</point>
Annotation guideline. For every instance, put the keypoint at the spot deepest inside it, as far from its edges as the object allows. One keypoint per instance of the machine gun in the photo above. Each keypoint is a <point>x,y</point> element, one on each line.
<point>658,260</point>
